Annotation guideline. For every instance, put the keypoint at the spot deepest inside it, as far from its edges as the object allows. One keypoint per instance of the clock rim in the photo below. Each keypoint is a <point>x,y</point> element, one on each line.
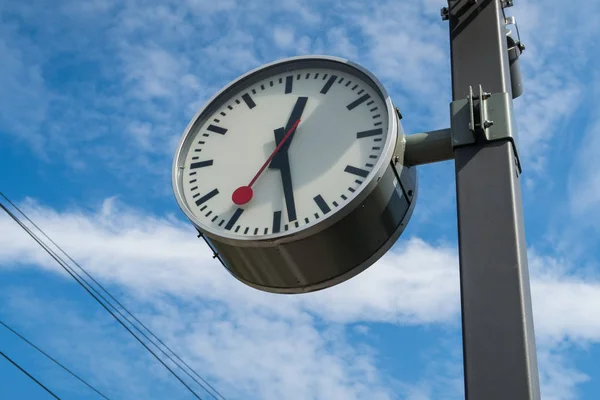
<point>274,239</point>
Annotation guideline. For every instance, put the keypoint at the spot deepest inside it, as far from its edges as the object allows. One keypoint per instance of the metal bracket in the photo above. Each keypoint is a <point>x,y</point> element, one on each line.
<point>486,116</point>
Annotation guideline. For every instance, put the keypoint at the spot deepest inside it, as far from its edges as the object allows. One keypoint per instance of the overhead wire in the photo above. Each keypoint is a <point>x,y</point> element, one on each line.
<point>124,308</point>
<point>29,375</point>
<point>52,359</point>
<point>79,279</point>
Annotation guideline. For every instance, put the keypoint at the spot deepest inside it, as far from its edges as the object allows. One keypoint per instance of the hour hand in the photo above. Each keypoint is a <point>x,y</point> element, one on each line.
<point>286,177</point>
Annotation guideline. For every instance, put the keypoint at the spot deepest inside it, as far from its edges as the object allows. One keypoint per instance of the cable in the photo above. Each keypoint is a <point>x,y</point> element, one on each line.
<point>74,276</point>
<point>52,359</point>
<point>124,308</point>
<point>65,266</point>
<point>29,375</point>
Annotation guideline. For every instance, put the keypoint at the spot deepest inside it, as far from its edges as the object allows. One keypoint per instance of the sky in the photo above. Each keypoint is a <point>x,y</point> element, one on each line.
<point>94,97</point>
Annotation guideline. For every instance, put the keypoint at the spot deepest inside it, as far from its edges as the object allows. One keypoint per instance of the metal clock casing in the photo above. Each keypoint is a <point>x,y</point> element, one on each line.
<point>335,248</point>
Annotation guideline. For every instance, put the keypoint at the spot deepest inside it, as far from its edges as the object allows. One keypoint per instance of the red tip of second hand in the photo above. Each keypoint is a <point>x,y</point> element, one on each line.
<point>242,195</point>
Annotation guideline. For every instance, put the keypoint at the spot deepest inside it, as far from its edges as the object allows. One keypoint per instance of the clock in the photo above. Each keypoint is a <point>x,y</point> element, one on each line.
<point>293,174</point>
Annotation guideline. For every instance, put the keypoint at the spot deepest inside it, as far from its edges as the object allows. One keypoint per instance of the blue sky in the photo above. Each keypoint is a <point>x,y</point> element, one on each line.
<point>94,97</point>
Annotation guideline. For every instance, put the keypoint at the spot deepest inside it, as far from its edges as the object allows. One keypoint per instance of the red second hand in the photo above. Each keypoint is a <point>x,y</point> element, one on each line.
<point>244,194</point>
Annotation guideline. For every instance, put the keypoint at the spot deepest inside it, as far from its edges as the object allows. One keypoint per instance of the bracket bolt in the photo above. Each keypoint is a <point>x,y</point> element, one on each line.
<point>445,13</point>
<point>488,124</point>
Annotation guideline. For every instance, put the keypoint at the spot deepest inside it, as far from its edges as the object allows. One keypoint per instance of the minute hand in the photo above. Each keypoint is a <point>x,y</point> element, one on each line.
<point>296,114</point>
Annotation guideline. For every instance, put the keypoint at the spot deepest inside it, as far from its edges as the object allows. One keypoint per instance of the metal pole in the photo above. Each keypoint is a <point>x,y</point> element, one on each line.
<point>500,360</point>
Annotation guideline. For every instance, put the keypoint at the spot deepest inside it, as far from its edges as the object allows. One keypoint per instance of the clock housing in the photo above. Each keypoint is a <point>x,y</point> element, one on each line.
<point>342,236</point>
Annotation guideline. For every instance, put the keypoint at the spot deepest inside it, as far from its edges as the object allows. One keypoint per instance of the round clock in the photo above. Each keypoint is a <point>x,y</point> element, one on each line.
<point>293,173</point>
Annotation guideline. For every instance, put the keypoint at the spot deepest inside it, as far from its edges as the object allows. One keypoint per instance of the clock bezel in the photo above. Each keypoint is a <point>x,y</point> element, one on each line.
<point>247,79</point>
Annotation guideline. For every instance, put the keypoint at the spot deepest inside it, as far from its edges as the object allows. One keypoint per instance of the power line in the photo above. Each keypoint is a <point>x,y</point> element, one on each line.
<point>79,279</point>
<point>52,359</point>
<point>29,375</point>
<point>123,307</point>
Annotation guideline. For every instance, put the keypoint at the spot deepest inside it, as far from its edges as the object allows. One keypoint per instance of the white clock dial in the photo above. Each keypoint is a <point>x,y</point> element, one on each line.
<point>334,127</point>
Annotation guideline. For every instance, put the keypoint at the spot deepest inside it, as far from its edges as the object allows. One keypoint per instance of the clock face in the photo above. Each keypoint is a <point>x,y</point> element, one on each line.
<point>282,150</point>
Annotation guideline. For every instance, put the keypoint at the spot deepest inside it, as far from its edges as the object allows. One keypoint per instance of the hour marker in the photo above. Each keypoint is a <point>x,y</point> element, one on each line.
<point>371,102</point>
<point>322,204</point>
<point>197,195</point>
<point>297,224</point>
<point>192,173</point>
<point>203,208</point>
<point>372,132</point>
<point>276,221</point>
<point>316,216</point>
<point>306,220</point>
<point>341,80</point>
<point>286,227</point>
<point>344,197</point>
<point>195,158</point>
<point>208,213</point>
<point>266,231</point>
<point>376,116</point>
<point>289,82</point>
<point>262,87</point>
<point>325,76</point>
<point>216,129</point>
<point>248,100</point>
<point>361,91</point>
<point>354,87</point>
<point>359,182</point>
<point>256,231</point>
<point>223,114</point>
<point>201,142</point>
<point>237,101</point>
<point>329,83</point>
<point>222,222</point>
<point>374,109</point>
<point>348,83</point>
<point>237,228</point>
<point>271,83</point>
<point>246,230</point>
<point>198,150</point>
<point>351,189</point>
<point>216,217</point>
<point>376,148</point>
<point>316,75</point>
<point>372,157</point>
<point>298,76</point>
<point>201,164</point>
<point>377,140</point>
<point>369,165</point>
<point>335,203</point>
<point>207,197</point>
<point>357,171</point>
<point>307,75</point>
<point>217,120</point>
<point>253,91</point>
<point>378,123</point>
<point>194,188</point>
<point>358,101</point>
<point>229,106</point>
<point>280,80</point>
<point>234,218</point>
<point>205,135</point>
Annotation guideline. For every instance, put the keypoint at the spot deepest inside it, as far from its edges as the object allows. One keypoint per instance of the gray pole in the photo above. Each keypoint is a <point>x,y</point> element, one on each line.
<point>500,360</point>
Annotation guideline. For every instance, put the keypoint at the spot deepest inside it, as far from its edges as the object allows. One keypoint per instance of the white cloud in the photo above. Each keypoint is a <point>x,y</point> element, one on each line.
<point>158,258</point>
<point>283,36</point>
